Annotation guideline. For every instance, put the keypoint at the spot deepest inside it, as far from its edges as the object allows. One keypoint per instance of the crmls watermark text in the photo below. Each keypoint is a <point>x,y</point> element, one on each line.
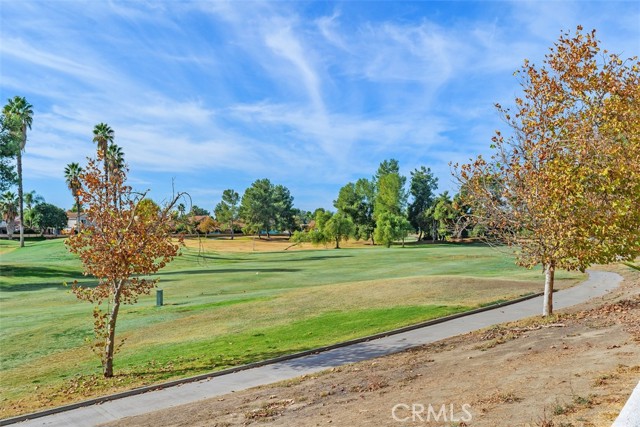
<point>417,412</point>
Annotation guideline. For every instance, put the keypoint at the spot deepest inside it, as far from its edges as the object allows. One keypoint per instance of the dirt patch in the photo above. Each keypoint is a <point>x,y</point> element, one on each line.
<point>251,244</point>
<point>576,368</point>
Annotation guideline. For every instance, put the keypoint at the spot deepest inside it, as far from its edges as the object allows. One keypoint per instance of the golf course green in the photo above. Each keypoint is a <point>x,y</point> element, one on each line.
<point>224,308</point>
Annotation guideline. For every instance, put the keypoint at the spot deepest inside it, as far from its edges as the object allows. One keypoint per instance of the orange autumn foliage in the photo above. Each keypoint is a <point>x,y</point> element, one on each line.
<point>126,240</point>
<point>563,186</point>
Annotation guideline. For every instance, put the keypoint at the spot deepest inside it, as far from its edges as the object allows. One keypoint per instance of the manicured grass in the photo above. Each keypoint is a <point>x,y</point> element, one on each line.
<point>267,342</point>
<point>228,308</point>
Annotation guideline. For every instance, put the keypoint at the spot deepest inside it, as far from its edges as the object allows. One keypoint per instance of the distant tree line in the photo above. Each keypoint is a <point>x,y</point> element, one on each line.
<point>383,210</point>
<point>264,208</point>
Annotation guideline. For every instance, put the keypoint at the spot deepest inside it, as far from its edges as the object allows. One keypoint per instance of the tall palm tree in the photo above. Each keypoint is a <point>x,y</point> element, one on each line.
<point>9,209</point>
<point>115,158</point>
<point>30,200</point>
<point>22,112</point>
<point>115,163</point>
<point>72,176</point>
<point>103,136</point>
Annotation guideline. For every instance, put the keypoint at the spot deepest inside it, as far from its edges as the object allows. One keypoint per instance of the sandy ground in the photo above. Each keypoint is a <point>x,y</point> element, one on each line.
<point>576,369</point>
<point>276,243</point>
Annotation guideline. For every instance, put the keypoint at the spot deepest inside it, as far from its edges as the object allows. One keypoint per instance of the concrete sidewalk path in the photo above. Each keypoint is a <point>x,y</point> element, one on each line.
<point>598,284</point>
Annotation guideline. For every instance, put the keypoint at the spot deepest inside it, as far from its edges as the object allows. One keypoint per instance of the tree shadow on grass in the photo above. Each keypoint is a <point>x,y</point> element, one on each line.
<point>264,259</point>
<point>214,257</point>
<point>55,278</point>
<point>310,258</point>
<point>230,270</point>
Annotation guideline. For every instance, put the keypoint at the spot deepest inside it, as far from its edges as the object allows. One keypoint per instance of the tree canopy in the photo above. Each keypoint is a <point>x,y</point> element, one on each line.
<point>265,205</point>
<point>46,215</point>
<point>197,210</point>
<point>339,227</point>
<point>283,212</point>
<point>72,177</point>
<point>8,147</point>
<point>391,228</point>
<point>256,207</point>
<point>389,186</point>
<point>563,185</point>
<point>227,210</point>
<point>9,210</point>
<point>422,190</point>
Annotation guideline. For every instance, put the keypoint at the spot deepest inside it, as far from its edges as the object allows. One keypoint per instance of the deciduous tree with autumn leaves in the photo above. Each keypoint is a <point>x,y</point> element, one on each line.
<point>563,184</point>
<point>126,239</point>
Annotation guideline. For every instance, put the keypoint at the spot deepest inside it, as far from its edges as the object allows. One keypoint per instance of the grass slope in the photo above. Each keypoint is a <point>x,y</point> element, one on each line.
<point>224,309</point>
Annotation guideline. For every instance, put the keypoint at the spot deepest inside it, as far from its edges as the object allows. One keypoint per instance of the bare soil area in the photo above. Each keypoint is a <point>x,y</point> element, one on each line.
<point>264,244</point>
<point>576,368</point>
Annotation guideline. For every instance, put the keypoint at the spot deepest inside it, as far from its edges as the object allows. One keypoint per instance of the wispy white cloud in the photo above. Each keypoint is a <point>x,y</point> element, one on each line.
<point>285,44</point>
<point>227,92</point>
<point>26,52</point>
<point>329,29</point>
<point>423,52</point>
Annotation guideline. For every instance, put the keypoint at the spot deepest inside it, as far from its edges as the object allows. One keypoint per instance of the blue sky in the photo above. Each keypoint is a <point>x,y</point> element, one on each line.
<point>212,95</point>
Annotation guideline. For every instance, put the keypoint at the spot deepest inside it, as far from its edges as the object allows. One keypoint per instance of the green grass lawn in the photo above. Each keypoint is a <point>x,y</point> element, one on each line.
<point>224,309</point>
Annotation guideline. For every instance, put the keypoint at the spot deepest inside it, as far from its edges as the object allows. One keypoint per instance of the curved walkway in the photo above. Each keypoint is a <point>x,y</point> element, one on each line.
<point>598,284</point>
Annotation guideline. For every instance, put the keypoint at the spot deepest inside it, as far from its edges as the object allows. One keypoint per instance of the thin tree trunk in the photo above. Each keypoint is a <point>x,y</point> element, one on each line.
<point>231,230</point>
<point>78,217</point>
<point>111,335</point>
<point>549,272</point>
<point>106,178</point>
<point>21,205</point>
